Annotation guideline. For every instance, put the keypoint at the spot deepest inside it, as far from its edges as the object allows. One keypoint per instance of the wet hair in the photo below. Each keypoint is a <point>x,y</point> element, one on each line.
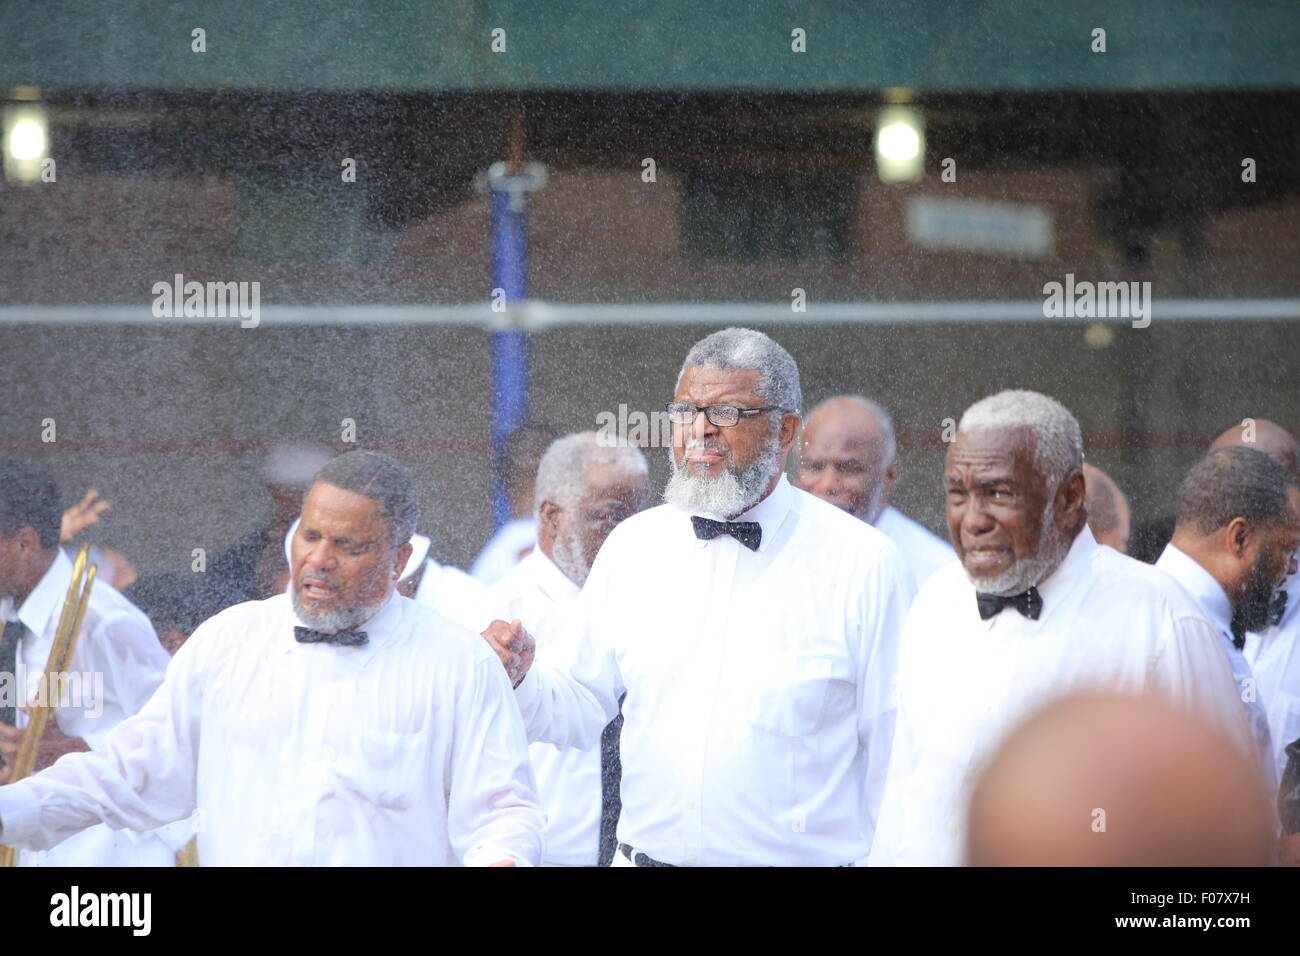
<point>1058,440</point>
<point>29,498</point>
<point>737,349</point>
<point>383,479</point>
<point>1234,482</point>
<point>563,469</point>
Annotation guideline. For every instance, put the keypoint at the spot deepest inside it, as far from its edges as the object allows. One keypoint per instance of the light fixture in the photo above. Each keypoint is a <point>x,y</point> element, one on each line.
<point>26,141</point>
<point>900,144</point>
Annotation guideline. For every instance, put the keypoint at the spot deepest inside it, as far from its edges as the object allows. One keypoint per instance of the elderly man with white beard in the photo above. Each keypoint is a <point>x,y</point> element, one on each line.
<point>754,629</point>
<point>1035,610</point>
<point>584,490</point>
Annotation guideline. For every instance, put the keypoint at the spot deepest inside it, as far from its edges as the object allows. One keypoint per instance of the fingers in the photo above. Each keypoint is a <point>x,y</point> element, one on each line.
<point>504,863</point>
<point>10,738</point>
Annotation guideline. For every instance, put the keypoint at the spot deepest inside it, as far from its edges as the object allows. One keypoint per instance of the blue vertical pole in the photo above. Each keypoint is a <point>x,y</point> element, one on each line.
<point>510,346</point>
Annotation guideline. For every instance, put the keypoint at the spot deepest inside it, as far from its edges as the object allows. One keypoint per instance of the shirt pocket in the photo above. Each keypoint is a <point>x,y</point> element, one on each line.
<point>384,767</point>
<point>787,695</point>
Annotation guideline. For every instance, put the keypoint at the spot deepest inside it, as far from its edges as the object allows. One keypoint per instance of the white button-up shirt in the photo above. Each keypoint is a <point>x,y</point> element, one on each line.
<point>1108,623</point>
<point>116,665</point>
<point>759,710</point>
<point>537,593</point>
<point>455,595</point>
<point>1274,657</point>
<point>508,547</point>
<point>1213,600</point>
<point>405,751</point>
<point>923,551</point>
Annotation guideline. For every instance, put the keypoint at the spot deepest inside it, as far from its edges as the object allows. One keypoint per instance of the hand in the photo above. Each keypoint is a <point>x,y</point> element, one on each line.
<point>513,645</point>
<point>504,863</point>
<point>82,515</point>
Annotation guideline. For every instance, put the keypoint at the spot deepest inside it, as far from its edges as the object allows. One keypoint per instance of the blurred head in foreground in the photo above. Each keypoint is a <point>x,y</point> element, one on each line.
<point>1106,780</point>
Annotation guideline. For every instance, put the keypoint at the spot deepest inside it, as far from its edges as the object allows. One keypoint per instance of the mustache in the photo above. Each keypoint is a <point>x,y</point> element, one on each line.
<point>323,578</point>
<point>696,444</point>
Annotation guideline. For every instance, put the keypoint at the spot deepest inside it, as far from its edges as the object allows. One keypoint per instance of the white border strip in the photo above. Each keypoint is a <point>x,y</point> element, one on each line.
<point>534,315</point>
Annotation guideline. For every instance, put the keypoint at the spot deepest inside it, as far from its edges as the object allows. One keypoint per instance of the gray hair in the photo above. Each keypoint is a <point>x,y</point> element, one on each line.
<point>1058,445</point>
<point>562,473</point>
<point>737,349</point>
<point>383,479</point>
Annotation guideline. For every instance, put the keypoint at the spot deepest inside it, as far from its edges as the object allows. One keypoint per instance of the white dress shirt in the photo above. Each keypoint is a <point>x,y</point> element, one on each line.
<point>1108,623</point>
<point>759,710</point>
<point>119,663</point>
<point>1212,599</point>
<point>1273,657</point>
<point>923,551</point>
<point>568,779</point>
<point>508,546</point>
<point>405,751</point>
<point>457,596</point>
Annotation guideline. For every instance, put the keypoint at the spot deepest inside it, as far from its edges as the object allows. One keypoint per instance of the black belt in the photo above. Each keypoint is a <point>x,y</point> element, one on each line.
<point>640,859</point>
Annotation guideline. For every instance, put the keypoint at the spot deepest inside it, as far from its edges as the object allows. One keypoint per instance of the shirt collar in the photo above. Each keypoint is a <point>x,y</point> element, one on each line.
<point>1076,565</point>
<point>379,628</point>
<point>553,582</point>
<point>45,599</point>
<point>1198,582</point>
<point>769,513</point>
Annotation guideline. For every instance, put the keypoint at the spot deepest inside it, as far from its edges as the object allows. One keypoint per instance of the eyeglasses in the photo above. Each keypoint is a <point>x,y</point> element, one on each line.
<point>683,413</point>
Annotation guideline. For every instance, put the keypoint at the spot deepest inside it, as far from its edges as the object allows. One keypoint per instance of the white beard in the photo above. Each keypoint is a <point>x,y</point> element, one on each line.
<point>1053,545</point>
<point>727,493</point>
<point>342,619</point>
<point>568,557</point>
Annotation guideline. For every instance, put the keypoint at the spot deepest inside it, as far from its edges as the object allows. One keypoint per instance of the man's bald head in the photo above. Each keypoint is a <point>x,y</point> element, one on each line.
<point>1262,435</point>
<point>1107,780</point>
<point>847,455</point>
<point>1108,511</point>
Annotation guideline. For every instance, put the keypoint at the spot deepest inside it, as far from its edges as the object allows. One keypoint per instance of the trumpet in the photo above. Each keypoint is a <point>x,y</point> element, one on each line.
<point>65,640</point>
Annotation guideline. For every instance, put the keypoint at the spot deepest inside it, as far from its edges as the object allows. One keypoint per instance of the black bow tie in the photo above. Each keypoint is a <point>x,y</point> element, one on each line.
<point>748,533</point>
<point>1278,609</point>
<point>1027,603</point>
<point>306,635</point>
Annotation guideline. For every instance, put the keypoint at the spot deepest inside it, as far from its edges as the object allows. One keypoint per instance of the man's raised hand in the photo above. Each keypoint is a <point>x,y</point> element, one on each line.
<point>513,645</point>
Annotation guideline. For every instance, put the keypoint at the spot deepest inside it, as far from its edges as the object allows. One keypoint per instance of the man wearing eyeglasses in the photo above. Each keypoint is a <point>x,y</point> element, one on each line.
<point>754,629</point>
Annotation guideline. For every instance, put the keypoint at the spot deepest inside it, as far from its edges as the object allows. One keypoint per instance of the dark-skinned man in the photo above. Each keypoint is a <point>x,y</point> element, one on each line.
<point>584,490</point>
<point>848,456</point>
<point>1035,609</point>
<point>338,724</point>
<point>1273,651</point>
<point>1235,536</point>
<point>116,664</point>
<point>754,629</point>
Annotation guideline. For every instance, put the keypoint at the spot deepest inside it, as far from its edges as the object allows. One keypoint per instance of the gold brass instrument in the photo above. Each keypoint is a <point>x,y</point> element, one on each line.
<point>65,639</point>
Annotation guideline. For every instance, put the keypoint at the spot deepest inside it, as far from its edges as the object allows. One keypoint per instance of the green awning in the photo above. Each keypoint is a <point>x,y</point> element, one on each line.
<point>620,45</point>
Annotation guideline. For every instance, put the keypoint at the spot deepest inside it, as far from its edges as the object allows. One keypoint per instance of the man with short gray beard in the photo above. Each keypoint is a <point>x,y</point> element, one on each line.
<point>340,725</point>
<point>1035,610</point>
<point>584,490</point>
<point>754,629</point>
